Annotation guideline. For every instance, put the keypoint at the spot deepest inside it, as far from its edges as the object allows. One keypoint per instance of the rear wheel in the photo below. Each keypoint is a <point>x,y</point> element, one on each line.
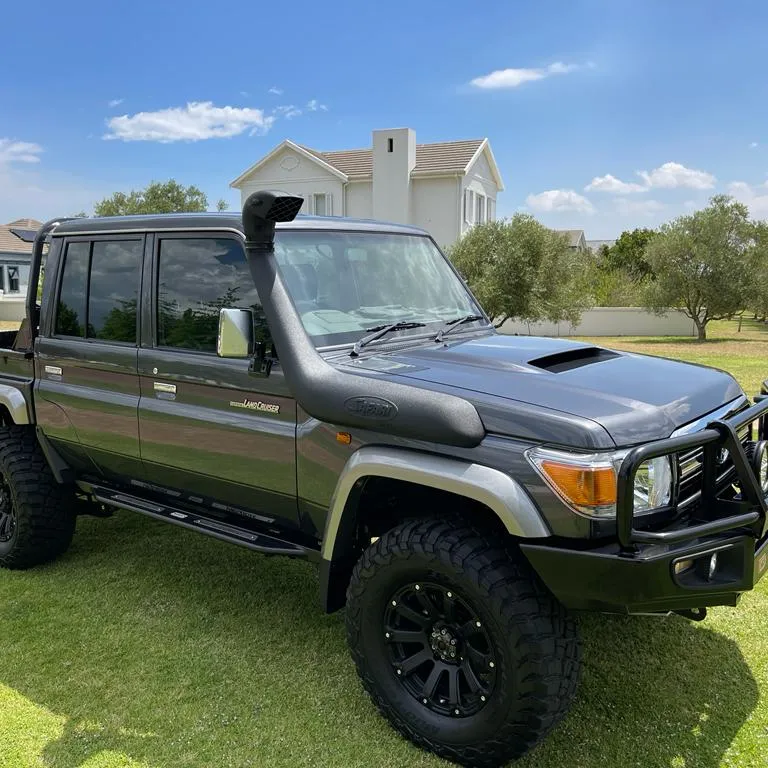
<point>458,643</point>
<point>37,518</point>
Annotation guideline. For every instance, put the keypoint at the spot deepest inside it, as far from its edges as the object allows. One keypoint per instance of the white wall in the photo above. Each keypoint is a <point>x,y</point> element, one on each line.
<point>435,206</point>
<point>291,172</point>
<point>611,321</point>
<point>392,174</point>
<point>359,200</point>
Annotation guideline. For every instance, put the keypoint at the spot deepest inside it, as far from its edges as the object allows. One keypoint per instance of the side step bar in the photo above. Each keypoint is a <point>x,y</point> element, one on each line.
<point>259,542</point>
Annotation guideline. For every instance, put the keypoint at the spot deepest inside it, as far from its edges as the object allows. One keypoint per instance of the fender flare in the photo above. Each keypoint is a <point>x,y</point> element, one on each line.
<point>491,487</point>
<point>16,403</point>
<point>498,491</point>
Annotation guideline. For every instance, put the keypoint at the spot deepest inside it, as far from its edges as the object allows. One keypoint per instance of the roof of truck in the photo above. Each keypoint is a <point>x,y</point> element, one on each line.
<point>213,221</point>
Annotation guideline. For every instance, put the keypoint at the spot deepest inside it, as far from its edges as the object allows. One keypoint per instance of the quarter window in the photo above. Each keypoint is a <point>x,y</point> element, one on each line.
<point>110,303</point>
<point>196,279</point>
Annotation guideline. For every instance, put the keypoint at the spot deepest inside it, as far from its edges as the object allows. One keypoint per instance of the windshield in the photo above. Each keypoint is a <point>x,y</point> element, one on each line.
<point>345,283</point>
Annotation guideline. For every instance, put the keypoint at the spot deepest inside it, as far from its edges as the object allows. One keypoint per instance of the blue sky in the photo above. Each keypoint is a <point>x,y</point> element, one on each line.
<point>602,114</point>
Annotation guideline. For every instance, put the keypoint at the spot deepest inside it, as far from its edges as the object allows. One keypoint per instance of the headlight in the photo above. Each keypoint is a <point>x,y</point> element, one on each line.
<point>587,482</point>
<point>758,457</point>
<point>653,484</point>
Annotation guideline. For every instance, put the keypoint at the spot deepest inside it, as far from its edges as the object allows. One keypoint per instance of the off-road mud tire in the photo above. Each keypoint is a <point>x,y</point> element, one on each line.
<point>535,640</point>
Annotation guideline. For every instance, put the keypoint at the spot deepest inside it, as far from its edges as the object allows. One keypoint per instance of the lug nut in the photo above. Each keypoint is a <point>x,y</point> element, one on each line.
<point>423,701</point>
<point>482,698</point>
<point>453,642</point>
<point>456,712</point>
<point>418,587</point>
<point>442,631</point>
<point>478,624</point>
<point>491,664</point>
<point>450,594</point>
<point>394,602</point>
<point>399,671</point>
<point>386,634</point>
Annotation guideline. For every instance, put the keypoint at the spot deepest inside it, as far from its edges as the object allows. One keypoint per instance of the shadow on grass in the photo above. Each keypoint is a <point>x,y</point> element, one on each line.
<point>169,648</point>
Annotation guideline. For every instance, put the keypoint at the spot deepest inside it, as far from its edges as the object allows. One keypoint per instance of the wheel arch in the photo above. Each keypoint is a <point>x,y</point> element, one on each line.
<point>504,499</point>
<point>14,407</point>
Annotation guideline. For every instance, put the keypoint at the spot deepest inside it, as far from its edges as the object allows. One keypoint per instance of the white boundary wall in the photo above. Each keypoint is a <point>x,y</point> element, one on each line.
<point>610,321</point>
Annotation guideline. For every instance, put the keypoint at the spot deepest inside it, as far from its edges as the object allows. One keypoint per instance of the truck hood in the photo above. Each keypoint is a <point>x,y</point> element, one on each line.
<point>576,394</point>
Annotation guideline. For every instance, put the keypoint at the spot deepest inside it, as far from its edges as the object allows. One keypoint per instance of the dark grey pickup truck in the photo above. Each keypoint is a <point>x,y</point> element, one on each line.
<point>329,389</point>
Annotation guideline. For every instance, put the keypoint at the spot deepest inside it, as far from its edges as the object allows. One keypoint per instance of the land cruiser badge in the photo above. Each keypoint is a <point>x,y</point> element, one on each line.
<point>256,405</point>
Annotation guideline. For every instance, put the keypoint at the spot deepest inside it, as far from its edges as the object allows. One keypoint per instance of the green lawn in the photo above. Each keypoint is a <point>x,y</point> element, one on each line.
<point>148,646</point>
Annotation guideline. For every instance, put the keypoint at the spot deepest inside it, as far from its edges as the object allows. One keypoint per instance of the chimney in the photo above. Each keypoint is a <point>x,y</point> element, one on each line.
<point>394,157</point>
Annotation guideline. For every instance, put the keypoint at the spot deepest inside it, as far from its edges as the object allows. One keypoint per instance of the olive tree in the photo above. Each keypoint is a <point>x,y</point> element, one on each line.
<point>156,197</point>
<point>703,263</point>
<point>519,269</point>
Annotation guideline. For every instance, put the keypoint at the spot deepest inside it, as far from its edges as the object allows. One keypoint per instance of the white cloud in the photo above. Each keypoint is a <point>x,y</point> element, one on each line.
<point>277,91</point>
<point>559,200</point>
<point>626,207</point>
<point>19,152</point>
<point>196,121</point>
<point>287,111</point>
<point>755,198</point>
<point>673,175</point>
<point>313,105</point>
<point>610,183</point>
<point>115,102</point>
<point>512,78</point>
<point>753,145</point>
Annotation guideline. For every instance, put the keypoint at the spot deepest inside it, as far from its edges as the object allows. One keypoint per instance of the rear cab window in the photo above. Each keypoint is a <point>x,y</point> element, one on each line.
<point>99,290</point>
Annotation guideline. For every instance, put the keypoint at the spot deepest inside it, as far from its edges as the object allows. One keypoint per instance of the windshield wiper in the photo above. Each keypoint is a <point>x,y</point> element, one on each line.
<point>382,330</point>
<point>452,325</point>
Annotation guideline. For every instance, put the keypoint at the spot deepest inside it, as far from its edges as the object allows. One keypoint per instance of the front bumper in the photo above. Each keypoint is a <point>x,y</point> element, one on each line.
<point>671,570</point>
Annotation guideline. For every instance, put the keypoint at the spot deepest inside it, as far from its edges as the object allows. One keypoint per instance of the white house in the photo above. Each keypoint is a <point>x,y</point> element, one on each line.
<point>444,187</point>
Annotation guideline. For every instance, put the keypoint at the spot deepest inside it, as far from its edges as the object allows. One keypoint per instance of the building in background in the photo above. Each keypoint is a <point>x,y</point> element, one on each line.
<point>445,187</point>
<point>16,241</point>
<point>576,238</point>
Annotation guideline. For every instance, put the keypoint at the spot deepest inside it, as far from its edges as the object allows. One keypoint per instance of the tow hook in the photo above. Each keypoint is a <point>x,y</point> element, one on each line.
<point>694,614</point>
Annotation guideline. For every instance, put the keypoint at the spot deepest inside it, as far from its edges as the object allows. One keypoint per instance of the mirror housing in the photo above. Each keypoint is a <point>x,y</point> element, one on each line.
<point>235,339</point>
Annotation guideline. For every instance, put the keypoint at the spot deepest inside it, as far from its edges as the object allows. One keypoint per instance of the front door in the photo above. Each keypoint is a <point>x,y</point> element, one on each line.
<point>211,431</point>
<point>87,384</point>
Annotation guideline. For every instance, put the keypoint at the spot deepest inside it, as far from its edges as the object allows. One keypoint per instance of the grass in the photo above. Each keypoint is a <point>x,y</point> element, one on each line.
<point>151,647</point>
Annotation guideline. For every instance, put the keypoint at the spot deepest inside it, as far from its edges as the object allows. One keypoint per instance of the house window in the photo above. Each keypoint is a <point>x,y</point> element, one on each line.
<point>469,206</point>
<point>322,204</point>
<point>479,208</point>
<point>490,209</point>
<point>13,279</point>
<point>390,145</point>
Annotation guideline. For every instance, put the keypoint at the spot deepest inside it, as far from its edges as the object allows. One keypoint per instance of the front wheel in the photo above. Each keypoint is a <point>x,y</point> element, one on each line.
<point>458,643</point>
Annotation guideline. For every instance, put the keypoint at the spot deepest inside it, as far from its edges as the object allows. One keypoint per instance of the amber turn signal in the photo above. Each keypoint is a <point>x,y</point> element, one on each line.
<point>344,437</point>
<point>583,486</point>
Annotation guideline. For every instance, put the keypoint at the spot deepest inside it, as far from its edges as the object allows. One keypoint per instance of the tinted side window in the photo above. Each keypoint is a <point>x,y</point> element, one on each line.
<point>70,316</point>
<point>113,295</point>
<point>197,278</point>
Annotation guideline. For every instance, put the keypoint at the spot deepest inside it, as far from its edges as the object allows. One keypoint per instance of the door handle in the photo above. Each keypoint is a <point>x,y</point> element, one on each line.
<point>160,386</point>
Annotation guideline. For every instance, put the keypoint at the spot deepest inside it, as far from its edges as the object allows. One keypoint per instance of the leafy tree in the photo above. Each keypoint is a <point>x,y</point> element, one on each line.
<point>703,263</point>
<point>759,294</point>
<point>519,269</point>
<point>222,205</point>
<point>627,254</point>
<point>157,197</point>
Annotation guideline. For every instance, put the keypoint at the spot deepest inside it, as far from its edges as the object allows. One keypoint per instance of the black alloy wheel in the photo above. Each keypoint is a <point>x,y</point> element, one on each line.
<point>439,649</point>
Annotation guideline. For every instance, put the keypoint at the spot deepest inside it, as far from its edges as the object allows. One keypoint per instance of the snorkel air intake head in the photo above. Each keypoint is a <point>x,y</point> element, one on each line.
<point>261,211</point>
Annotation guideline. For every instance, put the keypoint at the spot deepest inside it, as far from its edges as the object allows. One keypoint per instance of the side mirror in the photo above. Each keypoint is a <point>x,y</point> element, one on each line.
<point>235,333</point>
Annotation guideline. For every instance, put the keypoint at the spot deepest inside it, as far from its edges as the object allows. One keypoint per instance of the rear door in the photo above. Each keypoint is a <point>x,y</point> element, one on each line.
<point>210,431</point>
<point>87,384</point>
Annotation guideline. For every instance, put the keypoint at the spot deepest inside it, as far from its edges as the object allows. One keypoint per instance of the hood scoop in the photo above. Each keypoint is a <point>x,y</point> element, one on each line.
<point>559,362</point>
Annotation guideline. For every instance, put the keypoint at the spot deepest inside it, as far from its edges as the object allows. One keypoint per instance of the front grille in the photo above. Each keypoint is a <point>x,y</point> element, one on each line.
<point>691,476</point>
